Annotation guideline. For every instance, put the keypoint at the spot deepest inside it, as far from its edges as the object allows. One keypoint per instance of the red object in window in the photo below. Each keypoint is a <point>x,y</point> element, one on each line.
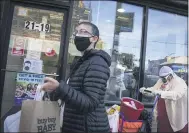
<point>50,52</point>
<point>18,46</point>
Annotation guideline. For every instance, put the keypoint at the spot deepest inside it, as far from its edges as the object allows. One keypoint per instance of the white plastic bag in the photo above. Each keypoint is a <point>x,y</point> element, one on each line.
<point>39,94</point>
<point>62,114</point>
<point>114,121</point>
<point>12,122</point>
<point>114,108</point>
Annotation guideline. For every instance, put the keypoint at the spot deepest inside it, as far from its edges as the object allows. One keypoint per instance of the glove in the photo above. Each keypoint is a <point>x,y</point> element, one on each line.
<point>150,94</point>
<point>142,90</point>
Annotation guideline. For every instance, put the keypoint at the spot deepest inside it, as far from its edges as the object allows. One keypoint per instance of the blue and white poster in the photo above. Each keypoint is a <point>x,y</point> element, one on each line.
<point>179,68</point>
<point>26,86</point>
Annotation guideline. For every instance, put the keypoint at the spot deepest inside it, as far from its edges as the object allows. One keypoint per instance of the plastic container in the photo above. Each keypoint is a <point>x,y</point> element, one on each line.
<point>129,127</point>
<point>128,112</point>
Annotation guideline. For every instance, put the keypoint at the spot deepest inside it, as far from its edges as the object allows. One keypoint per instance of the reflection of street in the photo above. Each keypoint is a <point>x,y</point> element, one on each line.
<point>122,84</point>
<point>178,64</point>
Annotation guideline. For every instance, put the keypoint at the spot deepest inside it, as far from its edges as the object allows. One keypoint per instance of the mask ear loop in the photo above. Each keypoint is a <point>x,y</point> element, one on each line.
<point>96,42</point>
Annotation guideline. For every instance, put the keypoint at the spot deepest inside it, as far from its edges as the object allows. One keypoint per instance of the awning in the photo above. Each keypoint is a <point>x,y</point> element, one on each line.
<point>177,60</point>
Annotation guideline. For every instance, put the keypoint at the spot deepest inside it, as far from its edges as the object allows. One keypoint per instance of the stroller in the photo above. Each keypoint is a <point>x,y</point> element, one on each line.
<point>135,121</point>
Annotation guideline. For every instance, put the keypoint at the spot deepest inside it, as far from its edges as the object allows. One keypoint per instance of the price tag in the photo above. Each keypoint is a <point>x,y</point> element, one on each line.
<point>30,25</point>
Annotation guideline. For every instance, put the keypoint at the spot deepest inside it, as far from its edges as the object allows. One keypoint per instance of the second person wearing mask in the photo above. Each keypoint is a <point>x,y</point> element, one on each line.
<point>84,92</point>
<point>171,109</point>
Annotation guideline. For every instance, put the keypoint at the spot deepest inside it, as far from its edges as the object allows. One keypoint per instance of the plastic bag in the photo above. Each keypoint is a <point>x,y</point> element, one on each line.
<point>132,104</point>
<point>39,94</point>
<point>113,117</point>
<point>114,121</point>
<point>112,109</point>
<point>12,122</point>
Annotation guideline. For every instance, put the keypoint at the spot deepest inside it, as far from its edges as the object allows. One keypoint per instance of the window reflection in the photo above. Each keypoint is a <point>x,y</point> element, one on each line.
<point>166,46</point>
<point>126,51</point>
<point>120,36</point>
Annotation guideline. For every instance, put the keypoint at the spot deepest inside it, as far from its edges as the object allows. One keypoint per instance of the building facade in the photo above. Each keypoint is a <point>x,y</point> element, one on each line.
<point>139,35</point>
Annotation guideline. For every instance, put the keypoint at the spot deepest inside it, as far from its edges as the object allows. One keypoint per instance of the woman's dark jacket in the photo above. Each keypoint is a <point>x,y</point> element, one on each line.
<point>84,95</point>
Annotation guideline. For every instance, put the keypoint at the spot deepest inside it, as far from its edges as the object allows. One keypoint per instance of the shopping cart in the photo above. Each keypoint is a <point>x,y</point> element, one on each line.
<point>133,125</point>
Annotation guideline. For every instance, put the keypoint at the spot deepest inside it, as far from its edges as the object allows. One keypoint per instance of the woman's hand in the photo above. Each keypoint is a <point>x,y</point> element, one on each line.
<point>50,84</point>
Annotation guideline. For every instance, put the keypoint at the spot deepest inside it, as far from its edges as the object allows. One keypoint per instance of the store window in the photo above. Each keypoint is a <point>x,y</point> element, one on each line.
<point>33,48</point>
<point>167,44</point>
<point>120,36</point>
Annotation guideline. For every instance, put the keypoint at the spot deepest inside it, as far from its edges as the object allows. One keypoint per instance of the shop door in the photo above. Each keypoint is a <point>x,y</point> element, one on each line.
<point>36,40</point>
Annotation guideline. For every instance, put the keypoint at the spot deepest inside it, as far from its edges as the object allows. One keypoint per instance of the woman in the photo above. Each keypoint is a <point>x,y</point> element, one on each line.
<point>171,109</point>
<point>83,93</point>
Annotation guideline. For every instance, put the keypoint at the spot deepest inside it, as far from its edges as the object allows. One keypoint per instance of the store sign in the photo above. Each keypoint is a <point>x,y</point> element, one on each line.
<point>30,25</point>
<point>125,21</point>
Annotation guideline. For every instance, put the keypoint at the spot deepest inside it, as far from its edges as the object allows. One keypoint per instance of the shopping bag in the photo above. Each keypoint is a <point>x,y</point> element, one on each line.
<point>40,116</point>
<point>12,122</point>
<point>114,121</point>
<point>61,113</point>
<point>113,117</point>
<point>112,109</point>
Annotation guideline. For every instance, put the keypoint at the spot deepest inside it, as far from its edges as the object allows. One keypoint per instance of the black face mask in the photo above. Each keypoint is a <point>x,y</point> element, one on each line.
<point>164,80</point>
<point>27,68</point>
<point>82,43</point>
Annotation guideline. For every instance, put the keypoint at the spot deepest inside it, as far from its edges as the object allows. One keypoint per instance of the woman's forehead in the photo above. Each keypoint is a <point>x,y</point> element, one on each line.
<point>84,27</point>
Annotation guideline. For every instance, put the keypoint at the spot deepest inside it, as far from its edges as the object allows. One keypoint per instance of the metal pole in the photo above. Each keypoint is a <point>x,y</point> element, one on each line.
<point>98,13</point>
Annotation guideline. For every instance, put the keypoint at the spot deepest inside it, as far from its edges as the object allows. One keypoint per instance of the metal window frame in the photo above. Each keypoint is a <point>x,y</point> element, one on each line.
<point>143,49</point>
<point>162,5</point>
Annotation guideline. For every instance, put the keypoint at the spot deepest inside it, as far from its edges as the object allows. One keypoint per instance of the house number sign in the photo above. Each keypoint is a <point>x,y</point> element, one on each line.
<point>30,25</point>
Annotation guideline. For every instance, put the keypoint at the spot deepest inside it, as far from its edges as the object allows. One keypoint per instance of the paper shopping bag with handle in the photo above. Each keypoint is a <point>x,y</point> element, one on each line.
<point>40,116</point>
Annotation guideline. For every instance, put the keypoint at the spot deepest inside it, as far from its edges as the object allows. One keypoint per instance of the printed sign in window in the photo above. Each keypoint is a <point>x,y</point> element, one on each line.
<point>33,66</point>
<point>26,86</point>
<point>18,46</point>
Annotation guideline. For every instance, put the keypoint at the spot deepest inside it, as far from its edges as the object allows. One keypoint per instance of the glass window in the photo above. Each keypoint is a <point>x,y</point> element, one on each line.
<point>166,45</point>
<point>35,37</point>
<point>120,36</point>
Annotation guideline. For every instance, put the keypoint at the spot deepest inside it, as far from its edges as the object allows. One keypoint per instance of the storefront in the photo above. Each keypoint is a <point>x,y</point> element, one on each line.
<point>139,36</point>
